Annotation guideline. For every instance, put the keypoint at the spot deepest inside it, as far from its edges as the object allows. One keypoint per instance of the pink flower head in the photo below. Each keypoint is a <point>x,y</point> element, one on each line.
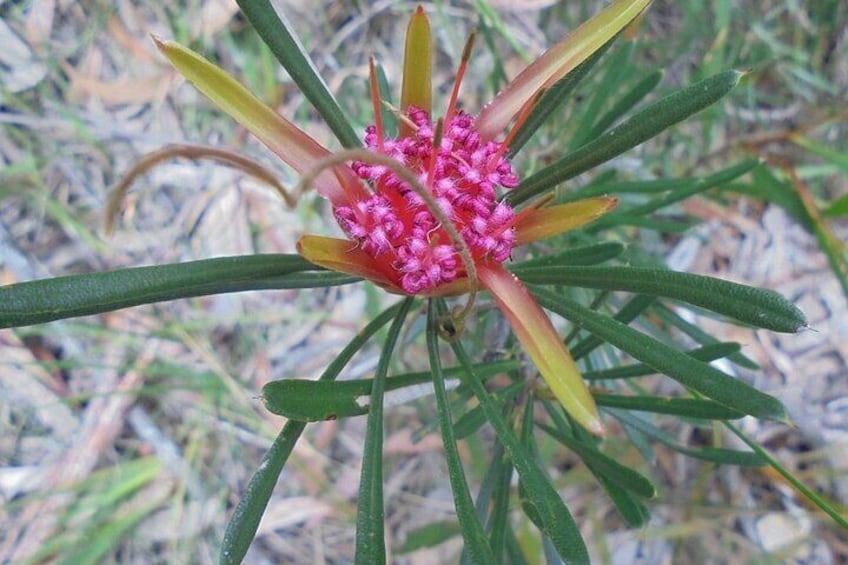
<point>463,174</point>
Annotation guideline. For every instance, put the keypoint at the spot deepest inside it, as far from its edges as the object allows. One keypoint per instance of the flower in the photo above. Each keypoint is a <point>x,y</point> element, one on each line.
<point>422,212</point>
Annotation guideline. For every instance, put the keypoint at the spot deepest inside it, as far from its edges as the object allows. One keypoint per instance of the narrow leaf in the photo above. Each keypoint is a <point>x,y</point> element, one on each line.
<point>631,310</point>
<point>602,464</point>
<point>585,255</point>
<point>624,104</point>
<point>686,407</point>
<point>476,543</point>
<point>245,520</point>
<point>315,401</point>
<point>276,33</point>
<point>370,514</point>
<point>40,301</point>
<point>712,454</point>
<point>706,353</point>
<point>672,318</point>
<point>755,306</point>
<point>621,486</point>
<point>682,192</point>
<point>640,127</point>
<point>555,519</point>
<point>689,372</point>
<point>614,73</point>
<point>809,493</point>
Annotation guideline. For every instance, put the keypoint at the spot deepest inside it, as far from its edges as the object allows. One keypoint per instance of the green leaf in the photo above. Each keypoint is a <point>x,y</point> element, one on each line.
<point>586,255</point>
<point>476,543</point>
<point>430,535</point>
<point>635,95</point>
<point>629,312</point>
<point>315,401</point>
<point>245,520</point>
<point>838,209</point>
<point>642,126</point>
<point>712,454</point>
<point>754,306</point>
<point>689,372</point>
<point>610,82</point>
<point>390,125</point>
<point>670,317</point>
<point>604,465</point>
<point>687,407</point>
<point>554,518</point>
<point>370,514</point>
<point>634,512</point>
<point>707,353</point>
<point>469,423</point>
<point>45,300</point>
<point>621,483</point>
<point>276,33</point>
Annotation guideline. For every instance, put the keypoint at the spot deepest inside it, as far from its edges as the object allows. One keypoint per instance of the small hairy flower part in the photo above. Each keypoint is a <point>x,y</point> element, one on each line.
<point>463,175</point>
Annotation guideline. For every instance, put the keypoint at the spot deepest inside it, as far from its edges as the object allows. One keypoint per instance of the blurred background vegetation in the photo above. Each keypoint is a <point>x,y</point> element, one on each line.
<point>129,436</point>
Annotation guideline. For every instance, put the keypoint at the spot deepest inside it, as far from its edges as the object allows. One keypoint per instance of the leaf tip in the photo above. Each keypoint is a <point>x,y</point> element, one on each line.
<point>161,44</point>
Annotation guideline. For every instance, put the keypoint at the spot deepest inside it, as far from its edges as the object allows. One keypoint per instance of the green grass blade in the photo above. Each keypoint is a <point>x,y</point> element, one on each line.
<point>370,514</point>
<point>276,33</point>
<point>754,306</point>
<point>689,372</point>
<point>40,301</point>
<point>245,520</point>
<point>640,127</point>
<point>810,494</point>
<point>106,537</point>
<point>476,543</point>
<point>555,520</point>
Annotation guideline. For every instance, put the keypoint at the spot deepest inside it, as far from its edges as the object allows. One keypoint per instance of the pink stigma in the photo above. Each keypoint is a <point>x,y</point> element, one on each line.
<point>464,175</point>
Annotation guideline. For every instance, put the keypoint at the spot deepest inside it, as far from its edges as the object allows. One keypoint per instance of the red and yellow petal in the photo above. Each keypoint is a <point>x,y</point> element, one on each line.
<point>343,256</point>
<point>417,89</point>
<point>543,344</point>
<point>556,63</point>
<point>282,137</point>
<point>539,223</point>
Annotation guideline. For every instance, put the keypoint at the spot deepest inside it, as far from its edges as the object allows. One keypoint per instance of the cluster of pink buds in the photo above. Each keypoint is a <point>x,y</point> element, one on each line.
<point>463,174</point>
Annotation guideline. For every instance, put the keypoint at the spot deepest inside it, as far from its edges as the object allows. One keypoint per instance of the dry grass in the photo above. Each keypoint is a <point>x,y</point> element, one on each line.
<point>138,429</point>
